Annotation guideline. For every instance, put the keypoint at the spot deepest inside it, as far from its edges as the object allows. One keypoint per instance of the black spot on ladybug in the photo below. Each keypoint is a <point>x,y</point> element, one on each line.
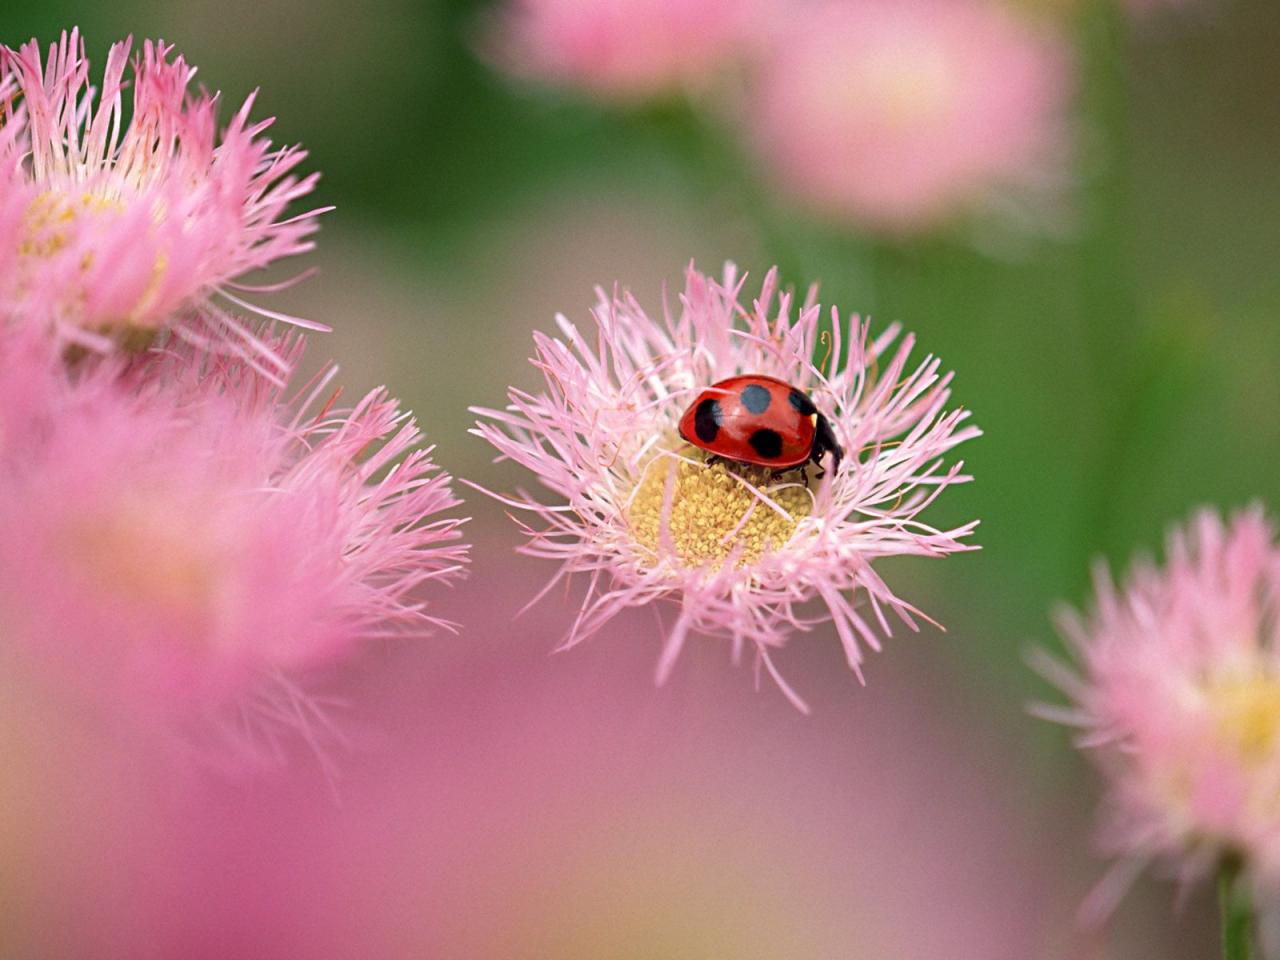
<point>707,419</point>
<point>802,403</point>
<point>755,398</point>
<point>767,443</point>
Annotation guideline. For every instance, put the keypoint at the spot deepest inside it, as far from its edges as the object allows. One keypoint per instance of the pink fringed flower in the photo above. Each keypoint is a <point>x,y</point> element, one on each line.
<point>1178,701</point>
<point>108,231</point>
<point>903,114</point>
<point>186,546</point>
<point>738,551</point>
<point>628,50</point>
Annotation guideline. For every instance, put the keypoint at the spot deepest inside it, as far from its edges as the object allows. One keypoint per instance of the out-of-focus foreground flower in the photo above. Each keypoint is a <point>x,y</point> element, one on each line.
<point>534,808</point>
<point>739,550</point>
<point>901,115</point>
<point>179,543</point>
<point>110,231</point>
<point>624,50</point>
<point>1178,701</point>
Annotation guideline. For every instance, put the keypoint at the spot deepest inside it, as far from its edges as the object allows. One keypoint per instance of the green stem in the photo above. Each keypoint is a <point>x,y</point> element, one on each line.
<point>1237,914</point>
<point>1108,296</point>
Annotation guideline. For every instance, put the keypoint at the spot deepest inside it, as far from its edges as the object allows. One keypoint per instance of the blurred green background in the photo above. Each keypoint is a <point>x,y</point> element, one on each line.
<point>470,211</point>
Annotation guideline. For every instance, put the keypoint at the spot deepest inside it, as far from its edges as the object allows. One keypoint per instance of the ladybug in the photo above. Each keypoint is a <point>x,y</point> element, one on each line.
<point>760,420</point>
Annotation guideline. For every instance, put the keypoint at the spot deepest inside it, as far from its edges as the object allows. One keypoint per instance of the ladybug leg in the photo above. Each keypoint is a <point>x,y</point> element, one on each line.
<point>824,442</point>
<point>816,459</point>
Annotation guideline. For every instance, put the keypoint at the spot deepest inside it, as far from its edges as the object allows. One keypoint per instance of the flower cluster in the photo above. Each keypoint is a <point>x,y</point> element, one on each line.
<point>646,516</point>
<point>1178,701</point>
<point>896,116</point>
<point>182,543</point>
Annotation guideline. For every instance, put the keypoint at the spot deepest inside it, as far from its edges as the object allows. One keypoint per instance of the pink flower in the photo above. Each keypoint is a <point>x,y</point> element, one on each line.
<point>737,551</point>
<point>523,809</point>
<point>1178,701</point>
<point>110,232</point>
<point>182,544</point>
<point>626,50</point>
<point>903,114</point>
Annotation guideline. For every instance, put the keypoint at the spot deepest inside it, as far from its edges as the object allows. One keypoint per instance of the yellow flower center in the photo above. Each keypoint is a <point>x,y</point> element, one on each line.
<point>150,559</point>
<point>913,86</point>
<point>1246,711</point>
<point>706,513</point>
<point>45,233</point>
<point>48,217</point>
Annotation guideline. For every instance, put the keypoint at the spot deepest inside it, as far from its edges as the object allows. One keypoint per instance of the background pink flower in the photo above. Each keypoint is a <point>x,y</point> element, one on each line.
<point>111,230</point>
<point>902,114</point>
<point>180,543</point>
<point>627,50</point>
<point>1178,700</point>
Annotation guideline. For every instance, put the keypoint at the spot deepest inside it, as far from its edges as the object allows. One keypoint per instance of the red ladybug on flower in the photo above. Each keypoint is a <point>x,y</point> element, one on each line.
<point>762,421</point>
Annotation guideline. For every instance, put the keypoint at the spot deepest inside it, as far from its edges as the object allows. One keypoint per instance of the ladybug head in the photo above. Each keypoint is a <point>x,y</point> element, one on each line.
<point>824,441</point>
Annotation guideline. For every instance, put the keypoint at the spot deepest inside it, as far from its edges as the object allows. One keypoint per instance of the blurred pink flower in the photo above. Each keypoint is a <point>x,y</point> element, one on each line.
<point>628,50</point>
<point>182,543</point>
<point>1178,701</point>
<point>903,114</point>
<point>109,231</point>
<point>525,808</point>
<point>737,550</point>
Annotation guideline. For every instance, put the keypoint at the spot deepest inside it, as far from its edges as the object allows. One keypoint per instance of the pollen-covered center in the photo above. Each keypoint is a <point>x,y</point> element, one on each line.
<point>1246,712</point>
<point>51,216</point>
<point>149,560</point>
<point>51,222</point>
<point>707,513</point>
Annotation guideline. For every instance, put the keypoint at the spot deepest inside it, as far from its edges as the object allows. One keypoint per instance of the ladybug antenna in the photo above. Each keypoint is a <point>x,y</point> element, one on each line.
<point>825,339</point>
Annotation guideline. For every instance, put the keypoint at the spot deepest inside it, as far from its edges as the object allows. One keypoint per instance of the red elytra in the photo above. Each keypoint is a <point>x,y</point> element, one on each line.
<point>759,420</point>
